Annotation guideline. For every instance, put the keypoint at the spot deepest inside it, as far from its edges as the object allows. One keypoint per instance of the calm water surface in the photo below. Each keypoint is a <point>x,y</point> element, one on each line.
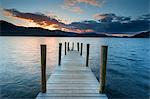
<point>128,66</point>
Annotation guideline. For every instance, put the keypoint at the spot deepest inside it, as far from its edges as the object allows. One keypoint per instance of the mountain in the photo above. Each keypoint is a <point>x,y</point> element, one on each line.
<point>91,34</point>
<point>8,29</point>
<point>142,35</point>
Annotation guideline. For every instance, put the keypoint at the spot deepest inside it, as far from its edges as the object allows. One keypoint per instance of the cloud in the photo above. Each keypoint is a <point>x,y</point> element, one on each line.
<point>144,17</point>
<point>90,2</point>
<point>109,22</point>
<point>74,9</point>
<point>105,17</point>
<point>43,20</point>
<point>122,19</point>
<point>37,18</point>
<point>72,5</point>
<point>109,17</point>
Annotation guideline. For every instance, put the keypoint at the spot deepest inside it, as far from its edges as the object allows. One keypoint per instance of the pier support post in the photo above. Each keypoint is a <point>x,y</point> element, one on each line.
<point>78,46</point>
<point>81,48</point>
<point>59,59</point>
<point>72,46</point>
<point>68,46</point>
<point>87,55</point>
<point>102,80</point>
<point>43,68</point>
<point>65,48</point>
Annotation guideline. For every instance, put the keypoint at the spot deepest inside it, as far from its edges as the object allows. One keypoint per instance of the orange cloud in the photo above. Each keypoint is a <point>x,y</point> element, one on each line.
<point>43,21</point>
<point>40,19</point>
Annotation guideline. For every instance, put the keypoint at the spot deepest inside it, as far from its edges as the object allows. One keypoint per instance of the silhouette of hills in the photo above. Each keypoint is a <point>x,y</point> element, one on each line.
<point>8,29</point>
<point>142,35</point>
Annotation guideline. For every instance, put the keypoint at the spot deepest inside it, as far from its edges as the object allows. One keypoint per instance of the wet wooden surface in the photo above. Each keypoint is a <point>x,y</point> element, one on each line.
<point>72,80</point>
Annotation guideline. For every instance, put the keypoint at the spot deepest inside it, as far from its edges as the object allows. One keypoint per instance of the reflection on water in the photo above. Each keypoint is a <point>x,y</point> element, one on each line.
<point>127,69</point>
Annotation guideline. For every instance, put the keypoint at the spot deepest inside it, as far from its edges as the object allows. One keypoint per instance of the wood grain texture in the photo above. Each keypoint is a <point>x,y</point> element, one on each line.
<point>72,80</point>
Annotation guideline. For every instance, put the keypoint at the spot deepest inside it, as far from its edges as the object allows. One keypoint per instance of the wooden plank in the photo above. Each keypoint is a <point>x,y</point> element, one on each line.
<point>72,84</point>
<point>73,88</point>
<point>72,80</point>
<point>73,97</point>
<point>69,91</point>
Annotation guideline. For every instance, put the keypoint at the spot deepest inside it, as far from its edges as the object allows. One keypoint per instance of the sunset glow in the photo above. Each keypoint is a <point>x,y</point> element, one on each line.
<point>79,16</point>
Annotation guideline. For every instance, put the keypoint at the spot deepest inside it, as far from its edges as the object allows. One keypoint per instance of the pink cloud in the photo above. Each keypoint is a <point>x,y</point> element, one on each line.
<point>90,2</point>
<point>71,5</point>
<point>76,9</point>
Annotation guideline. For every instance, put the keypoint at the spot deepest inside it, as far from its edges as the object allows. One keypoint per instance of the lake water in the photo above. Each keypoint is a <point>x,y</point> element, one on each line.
<point>128,69</point>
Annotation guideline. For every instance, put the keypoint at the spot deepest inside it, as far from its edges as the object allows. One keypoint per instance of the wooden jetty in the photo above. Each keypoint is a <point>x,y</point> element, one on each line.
<point>72,79</point>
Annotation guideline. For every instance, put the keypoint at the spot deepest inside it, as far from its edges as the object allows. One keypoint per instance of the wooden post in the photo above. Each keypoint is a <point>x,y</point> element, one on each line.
<point>87,55</point>
<point>43,68</point>
<point>72,46</point>
<point>65,49</point>
<point>68,46</point>
<point>104,50</point>
<point>78,46</point>
<point>81,49</point>
<point>59,60</point>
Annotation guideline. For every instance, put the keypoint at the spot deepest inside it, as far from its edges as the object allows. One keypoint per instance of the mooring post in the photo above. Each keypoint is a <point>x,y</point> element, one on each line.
<point>59,60</point>
<point>104,50</point>
<point>65,48</point>
<point>87,55</point>
<point>78,46</point>
<point>68,46</point>
<point>72,46</point>
<point>43,68</point>
<point>81,49</point>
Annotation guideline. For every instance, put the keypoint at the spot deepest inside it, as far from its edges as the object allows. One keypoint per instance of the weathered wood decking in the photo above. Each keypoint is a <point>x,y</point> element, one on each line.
<point>72,80</point>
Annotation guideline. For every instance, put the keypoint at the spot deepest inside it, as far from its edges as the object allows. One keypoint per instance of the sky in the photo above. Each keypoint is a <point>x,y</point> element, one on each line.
<point>112,16</point>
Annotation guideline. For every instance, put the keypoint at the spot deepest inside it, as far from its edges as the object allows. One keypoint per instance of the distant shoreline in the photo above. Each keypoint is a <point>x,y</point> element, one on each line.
<point>66,36</point>
<point>8,29</point>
